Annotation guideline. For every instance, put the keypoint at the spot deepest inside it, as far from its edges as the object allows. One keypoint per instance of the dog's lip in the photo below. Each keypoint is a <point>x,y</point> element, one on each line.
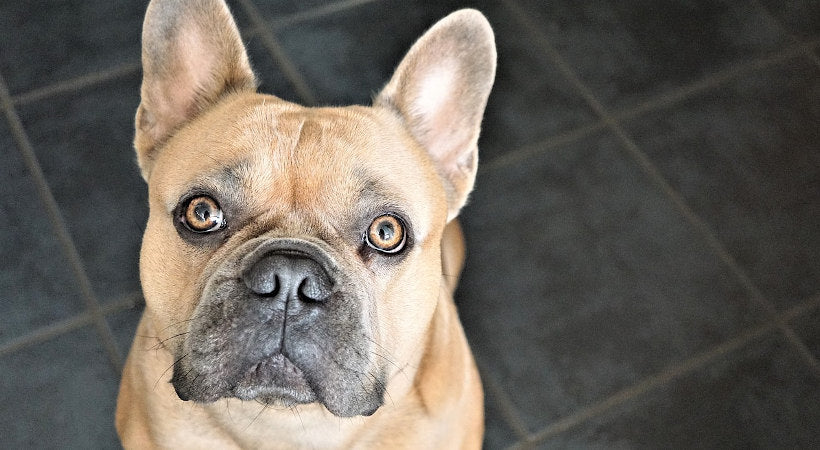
<point>274,379</point>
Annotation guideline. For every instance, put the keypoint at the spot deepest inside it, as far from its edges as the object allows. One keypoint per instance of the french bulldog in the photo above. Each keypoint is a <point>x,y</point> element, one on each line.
<point>298,263</point>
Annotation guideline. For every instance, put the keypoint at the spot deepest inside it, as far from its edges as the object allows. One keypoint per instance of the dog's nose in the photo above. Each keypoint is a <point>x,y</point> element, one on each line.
<point>289,277</point>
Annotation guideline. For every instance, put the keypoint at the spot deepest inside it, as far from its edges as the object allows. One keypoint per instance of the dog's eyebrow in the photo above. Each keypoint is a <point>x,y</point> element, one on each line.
<point>234,174</point>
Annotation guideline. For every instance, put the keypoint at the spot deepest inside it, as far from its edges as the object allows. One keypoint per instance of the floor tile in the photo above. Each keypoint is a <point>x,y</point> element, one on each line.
<point>46,41</point>
<point>582,279</point>
<point>84,144</point>
<point>629,51</point>
<point>270,78</point>
<point>37,285</point>
<point>497,434</point>
<point>744,156</point>
<point>124,326</point>
<point>242,20</point>
<point>339,56</point>
<point>800,17</point>
<point>58,394</point>
<point>275,10</point>
<point>530,101</point>
<point>345,64</point>
<point>807,328</point>
<point>760,397</point>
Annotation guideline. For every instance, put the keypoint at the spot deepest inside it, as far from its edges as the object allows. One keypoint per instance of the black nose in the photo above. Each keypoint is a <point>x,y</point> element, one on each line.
<point>288,276</point>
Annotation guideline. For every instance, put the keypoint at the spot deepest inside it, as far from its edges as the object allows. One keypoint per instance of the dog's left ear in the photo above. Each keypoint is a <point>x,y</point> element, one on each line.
<point>192,55</point>
<point>440,89</point>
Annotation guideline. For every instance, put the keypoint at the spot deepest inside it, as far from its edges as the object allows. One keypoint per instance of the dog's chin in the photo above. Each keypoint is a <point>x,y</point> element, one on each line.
<point>278,382</point>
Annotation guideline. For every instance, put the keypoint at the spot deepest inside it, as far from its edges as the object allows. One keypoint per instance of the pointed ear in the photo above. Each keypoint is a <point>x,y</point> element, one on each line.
<point>192,55</point>
<point>440,89</point>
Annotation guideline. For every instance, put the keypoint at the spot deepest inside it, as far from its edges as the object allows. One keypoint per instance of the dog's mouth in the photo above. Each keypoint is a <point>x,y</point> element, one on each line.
<point>274,380</point>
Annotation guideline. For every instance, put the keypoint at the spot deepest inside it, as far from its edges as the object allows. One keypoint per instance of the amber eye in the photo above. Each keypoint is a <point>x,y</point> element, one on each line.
<point>203,215</point>
<point>386,234</point>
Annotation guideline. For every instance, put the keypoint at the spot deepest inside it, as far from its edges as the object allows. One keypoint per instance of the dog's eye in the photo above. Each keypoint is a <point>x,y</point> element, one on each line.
<point>386,234</point>
<point>202,214</point>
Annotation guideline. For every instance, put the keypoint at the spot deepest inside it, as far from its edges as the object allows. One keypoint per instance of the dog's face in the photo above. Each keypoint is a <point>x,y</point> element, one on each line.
<point>292,255</point>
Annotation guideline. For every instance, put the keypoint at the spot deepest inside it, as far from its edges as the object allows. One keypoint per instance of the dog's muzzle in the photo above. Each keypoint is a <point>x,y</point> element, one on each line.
<point>278,322</point>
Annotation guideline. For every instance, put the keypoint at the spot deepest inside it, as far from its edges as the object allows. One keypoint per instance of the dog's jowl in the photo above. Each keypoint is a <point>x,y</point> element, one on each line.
<point>298,263</point>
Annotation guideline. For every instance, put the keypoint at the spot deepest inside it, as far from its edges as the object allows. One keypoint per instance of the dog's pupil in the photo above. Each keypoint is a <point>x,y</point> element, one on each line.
<point>203,212</point>
<point>386,232</point>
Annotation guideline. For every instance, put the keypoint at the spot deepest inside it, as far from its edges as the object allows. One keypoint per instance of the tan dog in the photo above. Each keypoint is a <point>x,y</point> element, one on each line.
<point>298,264</point>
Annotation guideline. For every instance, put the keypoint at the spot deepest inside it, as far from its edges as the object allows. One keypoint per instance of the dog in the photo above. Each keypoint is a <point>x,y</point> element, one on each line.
<point>298,263</point>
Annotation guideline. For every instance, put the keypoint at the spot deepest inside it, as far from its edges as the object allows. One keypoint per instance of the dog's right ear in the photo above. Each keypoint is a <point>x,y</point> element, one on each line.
<point>192,55</point>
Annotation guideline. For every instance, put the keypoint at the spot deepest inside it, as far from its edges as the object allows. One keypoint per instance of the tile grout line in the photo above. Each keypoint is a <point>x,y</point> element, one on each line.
<point>663,100</point>
<point>278,54</point>
<point>75,84</point>
<point>58,225</point>
<point>527,151</point>
<point>61,327</point>
<point>675,95</point>
<point>509,412</point>
<point>668,375</point>
<point>657,177</point>
<point>805,46</point>
<point>318,12</point>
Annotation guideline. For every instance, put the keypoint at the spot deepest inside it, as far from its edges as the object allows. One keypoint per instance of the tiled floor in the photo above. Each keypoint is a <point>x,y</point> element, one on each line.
<point>644,240</point>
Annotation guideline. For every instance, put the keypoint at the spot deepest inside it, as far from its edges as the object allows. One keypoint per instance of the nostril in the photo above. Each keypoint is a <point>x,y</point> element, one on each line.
<point>262,282</point>
<point>288,277</point>
<point>312,290</point>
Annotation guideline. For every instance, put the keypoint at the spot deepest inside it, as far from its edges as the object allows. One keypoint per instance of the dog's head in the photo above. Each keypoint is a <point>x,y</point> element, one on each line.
<point>292,254</point>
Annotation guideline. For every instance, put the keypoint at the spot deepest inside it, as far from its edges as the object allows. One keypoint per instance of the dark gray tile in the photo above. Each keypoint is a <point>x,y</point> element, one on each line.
<point>38,288</point>
<point>760,397</point>
<point>348,56</point>
<point>58,394</point>
<point>84,143</point>
<point>46,41</point>
<point>238,13</point>
<point>497,434</point>
<point>270,78</point>
<point>582,279</point>
<point>124,325</point>
<point>274,10</point>
<point>744,156</point>
<point>629,51</point>
<point>530,101</point>
<point>800,17</point>
<point>807,328</point>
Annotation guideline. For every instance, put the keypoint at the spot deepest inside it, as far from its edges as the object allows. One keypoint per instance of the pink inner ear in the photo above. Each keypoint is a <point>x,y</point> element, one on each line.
<point>194,67</point>
<point>437,108</point>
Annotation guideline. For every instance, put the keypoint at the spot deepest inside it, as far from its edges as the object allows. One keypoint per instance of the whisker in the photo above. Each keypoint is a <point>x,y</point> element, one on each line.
<point>167,369</point>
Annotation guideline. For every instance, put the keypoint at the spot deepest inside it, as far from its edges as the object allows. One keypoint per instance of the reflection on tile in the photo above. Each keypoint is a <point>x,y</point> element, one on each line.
<point>582,279</point>
<point>37,286</point>
<point>762,396</point>
<point>84,144</point>
<point>744,156</point>
<point>58,394</point>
